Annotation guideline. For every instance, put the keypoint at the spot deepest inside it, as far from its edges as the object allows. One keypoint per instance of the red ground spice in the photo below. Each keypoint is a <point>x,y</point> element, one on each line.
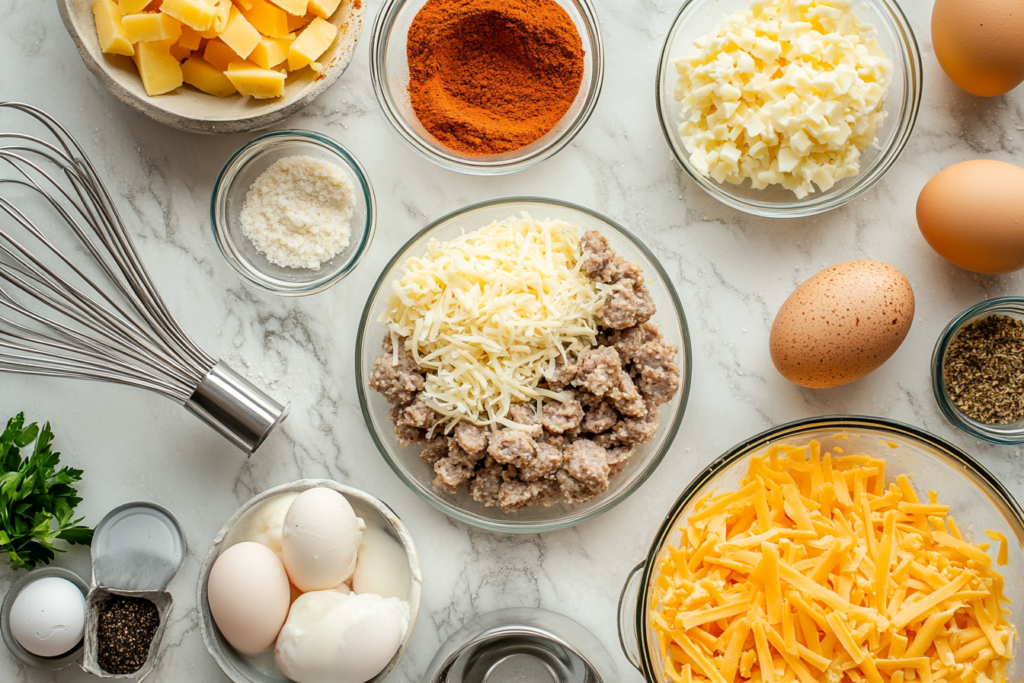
<point>488,77</point>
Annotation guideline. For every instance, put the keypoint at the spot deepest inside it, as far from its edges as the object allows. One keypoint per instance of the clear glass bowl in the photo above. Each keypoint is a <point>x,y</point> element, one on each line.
<point>1000,434</point>
<point>234,182</point>
<point>696,18</point>
<point>405,460</point>
<point>979,500</point>
<point>389,72</point>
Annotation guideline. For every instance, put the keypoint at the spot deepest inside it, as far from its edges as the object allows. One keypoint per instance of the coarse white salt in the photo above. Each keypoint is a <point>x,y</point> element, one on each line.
<point>298,212</point>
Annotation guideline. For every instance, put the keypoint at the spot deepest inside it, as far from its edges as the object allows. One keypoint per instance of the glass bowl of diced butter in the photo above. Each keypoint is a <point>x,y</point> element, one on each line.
<point>787,108</point>
<point>941,520</point>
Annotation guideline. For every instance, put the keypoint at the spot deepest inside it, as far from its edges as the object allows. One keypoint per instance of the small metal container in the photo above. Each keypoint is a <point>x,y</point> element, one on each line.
<point>522,644</point>
<point>23,655</point>
<point>136,551</point>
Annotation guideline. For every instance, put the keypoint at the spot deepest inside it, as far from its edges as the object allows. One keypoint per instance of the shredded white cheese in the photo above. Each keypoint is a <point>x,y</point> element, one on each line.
<point>487,314</point>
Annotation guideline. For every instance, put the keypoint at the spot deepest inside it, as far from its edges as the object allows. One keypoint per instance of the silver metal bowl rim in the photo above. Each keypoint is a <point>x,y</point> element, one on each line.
<point>976,473</point>
<point>20,653</point>
<point>383,25</point>
<point>1000,435</point>
<point>228,176</point>
<point>206,625</point>
<point>437,501</point>
<point>910,59</point>
<point>437,667</point>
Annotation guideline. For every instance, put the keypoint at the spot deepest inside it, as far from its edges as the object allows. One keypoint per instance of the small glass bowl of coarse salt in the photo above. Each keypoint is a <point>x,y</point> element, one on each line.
<point>292,212</point>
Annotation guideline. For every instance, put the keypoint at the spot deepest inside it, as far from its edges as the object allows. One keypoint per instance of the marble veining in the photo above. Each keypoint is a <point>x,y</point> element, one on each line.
<point>732,272</point>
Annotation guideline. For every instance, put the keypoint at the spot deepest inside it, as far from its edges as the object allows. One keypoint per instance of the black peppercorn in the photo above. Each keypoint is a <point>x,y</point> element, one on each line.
<point>126,627</point>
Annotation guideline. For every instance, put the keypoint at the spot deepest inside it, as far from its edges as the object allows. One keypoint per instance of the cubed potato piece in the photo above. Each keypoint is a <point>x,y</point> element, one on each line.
<point>295,23</point>
<point>311,43</point>
<point>244,4</point>
<point>195,13</point>
<point>151,27</point>
<point>201,75</point>
<point>271,51</point>
<point>251,79</point>
<point>190,38</point>
<point>323,8</point>
<point>218,54</point>
<point>160,71</point>
<point>131,6</point>
<point>294,7</point>
<point>239,34</point>
<point>270,20</point>
<point>110,31</point>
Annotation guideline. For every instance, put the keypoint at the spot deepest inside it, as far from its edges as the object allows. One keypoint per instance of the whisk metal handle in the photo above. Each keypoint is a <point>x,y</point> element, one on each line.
<point>235,408</point>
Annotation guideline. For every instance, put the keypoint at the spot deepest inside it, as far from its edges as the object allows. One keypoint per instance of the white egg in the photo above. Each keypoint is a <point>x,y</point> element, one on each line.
<point>331,637</point>
<point>48,617</point>
<point>383,566</point>
<point>320,540</point>
<point>249,596</point>
<point>267,521</point>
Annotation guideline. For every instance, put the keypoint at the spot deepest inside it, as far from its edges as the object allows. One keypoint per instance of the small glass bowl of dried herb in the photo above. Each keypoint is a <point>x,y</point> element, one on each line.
<point>487,86</point>
<point>978,371</point>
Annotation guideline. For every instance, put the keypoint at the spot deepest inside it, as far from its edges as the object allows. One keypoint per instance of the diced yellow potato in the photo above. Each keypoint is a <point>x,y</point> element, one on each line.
<point>151,26</point>
<point>270,20</point>
<point>251,79</point>
<point>131,6</point>
<point>180,53</point>
<point>270,52</point>
<point>239,34</point>
<point>110,31</point>
<point>244,4</point>
<point>311,43</point>
<point>190,38</point>
<point>323,8</point>
<point>195,13</point>
<point>295,23</point>
<point>220,21</point>
<point>159,70</point>
<point>218,54</point>
<point>293,7</point>
<point>201,75</point>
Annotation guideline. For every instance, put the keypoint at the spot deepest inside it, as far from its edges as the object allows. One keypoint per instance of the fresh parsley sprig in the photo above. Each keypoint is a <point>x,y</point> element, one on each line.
<point>37,501</point>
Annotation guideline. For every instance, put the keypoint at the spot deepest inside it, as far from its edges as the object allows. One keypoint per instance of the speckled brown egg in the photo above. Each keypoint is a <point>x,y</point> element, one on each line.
<point>841,324</point>
<point>972,213</point>
<point>980,43</point>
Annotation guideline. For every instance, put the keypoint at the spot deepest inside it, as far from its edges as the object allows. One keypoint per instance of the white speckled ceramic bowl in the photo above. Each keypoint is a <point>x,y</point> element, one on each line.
<point>243,669</point>
<point>190,110</point>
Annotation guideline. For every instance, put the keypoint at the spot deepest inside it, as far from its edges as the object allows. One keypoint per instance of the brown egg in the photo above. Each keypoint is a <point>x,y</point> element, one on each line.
<point>980,43</point>
<point>972,213</point>
<point>841,324</point>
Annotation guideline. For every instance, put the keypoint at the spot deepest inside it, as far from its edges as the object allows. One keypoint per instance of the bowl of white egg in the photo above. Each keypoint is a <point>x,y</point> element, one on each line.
<point>310,581</point>
<point>786,108</point>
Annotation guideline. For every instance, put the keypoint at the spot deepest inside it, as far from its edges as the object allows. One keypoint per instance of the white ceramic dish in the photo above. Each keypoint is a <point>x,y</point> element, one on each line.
<point>244,670</point>
<point>190,110</point>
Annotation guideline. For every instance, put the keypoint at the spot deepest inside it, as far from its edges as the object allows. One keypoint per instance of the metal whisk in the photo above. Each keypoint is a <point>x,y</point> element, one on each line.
<point>56,319</point>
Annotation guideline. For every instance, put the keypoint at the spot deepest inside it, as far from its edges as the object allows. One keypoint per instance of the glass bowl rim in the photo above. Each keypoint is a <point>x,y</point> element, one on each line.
<point>650,466</point>
<point>993,434</point>
<point>228,175</point>
<point>910,59</point>
<point>974,472</point>
<point>383,25</point>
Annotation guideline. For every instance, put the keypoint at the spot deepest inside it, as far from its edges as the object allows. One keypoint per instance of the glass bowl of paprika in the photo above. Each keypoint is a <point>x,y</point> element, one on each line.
<point>487,86</point>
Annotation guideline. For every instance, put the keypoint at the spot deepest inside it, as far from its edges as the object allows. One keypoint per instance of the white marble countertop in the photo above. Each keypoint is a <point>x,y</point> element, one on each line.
<point>732,272</point>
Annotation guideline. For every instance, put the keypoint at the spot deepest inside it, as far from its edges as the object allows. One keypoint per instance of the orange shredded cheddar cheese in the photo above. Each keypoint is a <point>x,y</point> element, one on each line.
<point>817,570</point>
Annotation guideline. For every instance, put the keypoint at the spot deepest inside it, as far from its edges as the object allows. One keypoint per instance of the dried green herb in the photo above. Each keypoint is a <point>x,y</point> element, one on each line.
<point>37,501</point>
<point>984,369</point>
<point>126,626</point>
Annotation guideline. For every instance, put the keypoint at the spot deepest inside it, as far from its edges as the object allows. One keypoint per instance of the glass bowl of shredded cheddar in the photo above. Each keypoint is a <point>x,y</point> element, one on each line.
<point>486,337</point>
<point>788,108</point>
<point>842,549</point>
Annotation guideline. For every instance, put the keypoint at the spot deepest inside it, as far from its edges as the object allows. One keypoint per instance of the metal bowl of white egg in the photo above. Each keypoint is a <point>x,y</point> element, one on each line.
<point>362,624</point>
